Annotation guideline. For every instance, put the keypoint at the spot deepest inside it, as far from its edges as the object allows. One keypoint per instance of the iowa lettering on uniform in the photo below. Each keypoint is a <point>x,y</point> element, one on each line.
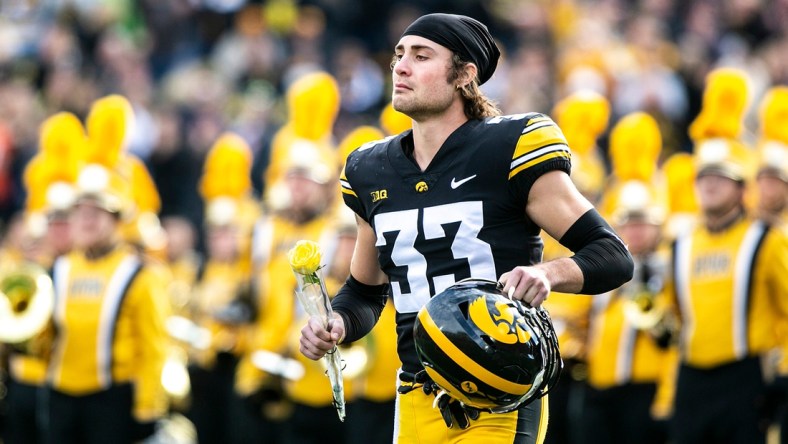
<point>86,287</point>
<point>711,265</point>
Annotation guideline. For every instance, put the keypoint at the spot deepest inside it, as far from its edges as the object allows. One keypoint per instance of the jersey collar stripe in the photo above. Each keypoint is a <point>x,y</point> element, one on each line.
<point>540,152</point>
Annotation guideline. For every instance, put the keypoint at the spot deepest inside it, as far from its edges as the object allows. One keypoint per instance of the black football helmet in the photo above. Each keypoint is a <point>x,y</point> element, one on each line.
<point>485,350</point>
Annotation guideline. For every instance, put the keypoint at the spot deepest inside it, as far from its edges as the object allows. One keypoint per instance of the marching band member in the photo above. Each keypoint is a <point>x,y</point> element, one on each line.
<point>626,342</point>
<point>730,273</point>
<point>583,117</point>
<point>183,260</point>
<point>222,301</point>
<point>50,178</point>
<point>104,376</point>
<point>772,181</point>
<point>300,207</point>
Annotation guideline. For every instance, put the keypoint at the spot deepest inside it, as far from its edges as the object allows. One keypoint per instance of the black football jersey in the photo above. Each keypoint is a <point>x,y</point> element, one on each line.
<point>464,216</point>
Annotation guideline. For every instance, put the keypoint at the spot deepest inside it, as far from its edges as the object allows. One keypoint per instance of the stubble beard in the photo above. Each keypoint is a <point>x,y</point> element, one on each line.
<point>420,109</point>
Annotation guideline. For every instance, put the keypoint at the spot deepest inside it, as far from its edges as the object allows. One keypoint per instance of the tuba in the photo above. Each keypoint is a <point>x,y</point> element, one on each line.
<point>27,300</point>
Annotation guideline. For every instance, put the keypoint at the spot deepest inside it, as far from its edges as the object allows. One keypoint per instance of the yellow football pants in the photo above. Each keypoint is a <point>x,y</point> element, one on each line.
<point>417,422</point>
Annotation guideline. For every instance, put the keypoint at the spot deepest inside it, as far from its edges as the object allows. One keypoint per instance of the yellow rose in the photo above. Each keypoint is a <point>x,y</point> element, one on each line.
<point>305,257</point>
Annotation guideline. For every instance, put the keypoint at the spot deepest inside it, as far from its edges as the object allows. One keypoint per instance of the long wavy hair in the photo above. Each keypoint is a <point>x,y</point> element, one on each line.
<point>475,103</point>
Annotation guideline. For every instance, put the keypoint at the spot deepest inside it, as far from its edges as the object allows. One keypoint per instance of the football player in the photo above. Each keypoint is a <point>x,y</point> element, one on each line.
<point>463,194</point>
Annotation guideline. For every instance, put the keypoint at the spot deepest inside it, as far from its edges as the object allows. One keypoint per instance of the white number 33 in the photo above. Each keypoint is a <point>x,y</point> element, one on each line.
<point>466,245</point>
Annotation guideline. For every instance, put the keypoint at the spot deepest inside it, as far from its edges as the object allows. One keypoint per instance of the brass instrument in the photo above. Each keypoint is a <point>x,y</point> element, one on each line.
<point>27,300</point>
<point>643,310</point>
<point>642,306</point>
<point>175,375</point>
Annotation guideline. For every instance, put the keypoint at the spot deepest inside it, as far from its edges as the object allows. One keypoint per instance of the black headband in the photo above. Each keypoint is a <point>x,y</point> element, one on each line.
<point>466,37</point>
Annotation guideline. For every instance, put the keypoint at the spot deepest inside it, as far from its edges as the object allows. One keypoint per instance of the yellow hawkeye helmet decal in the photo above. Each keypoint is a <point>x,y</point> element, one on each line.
<point>501,326</point>
<point>484,349</point>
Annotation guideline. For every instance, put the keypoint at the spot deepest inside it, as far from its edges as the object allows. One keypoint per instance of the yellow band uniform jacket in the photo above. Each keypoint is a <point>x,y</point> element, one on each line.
<point>109,316</point>
<point>730,288</point>
<point>619,352</point>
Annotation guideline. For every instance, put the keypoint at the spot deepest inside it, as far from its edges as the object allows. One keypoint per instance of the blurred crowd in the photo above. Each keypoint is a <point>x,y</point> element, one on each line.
<point>230,120</point>
<point>192,69</point>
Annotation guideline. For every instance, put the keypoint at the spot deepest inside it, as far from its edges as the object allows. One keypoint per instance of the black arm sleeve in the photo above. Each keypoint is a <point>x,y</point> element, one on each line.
<point>360,306</point>
<point>601,255</point>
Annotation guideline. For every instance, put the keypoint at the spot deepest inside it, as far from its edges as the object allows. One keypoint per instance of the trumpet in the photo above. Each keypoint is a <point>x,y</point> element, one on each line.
<point>27,300</point>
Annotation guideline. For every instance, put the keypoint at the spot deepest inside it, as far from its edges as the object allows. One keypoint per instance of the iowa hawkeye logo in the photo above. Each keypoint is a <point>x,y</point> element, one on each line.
<point>500,326</point>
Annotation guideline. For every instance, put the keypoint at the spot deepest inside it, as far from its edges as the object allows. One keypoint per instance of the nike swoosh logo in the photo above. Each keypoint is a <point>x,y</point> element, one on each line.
<point>456,183</point>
